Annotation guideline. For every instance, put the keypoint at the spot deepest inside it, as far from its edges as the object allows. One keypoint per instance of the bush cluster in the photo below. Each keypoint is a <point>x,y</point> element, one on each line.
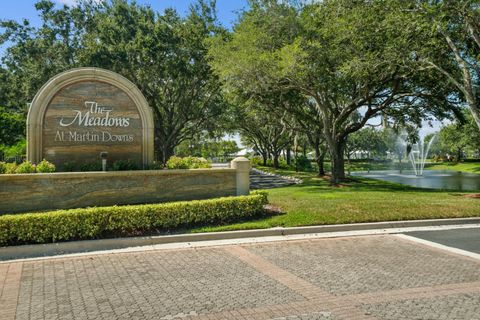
<point>187,163</point>
<point>45,167</point>
<point>27,167</point>
<point>98,222</point>
<point>155,165</point>
<point>301,163</point>
<point>119,165</point>
<point>91,166</point>
<point>124,165</point>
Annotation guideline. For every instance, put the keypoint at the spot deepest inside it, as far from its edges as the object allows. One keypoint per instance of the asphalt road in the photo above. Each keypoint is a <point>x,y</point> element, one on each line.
<point>465,239</point>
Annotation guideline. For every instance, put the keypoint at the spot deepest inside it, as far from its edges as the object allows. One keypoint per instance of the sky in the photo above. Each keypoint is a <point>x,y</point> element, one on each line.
<point>226,11</point>
<point>19,9</point>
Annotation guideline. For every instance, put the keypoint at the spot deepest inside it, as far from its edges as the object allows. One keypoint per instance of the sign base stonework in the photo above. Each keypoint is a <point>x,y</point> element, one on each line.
<point>82,113</point>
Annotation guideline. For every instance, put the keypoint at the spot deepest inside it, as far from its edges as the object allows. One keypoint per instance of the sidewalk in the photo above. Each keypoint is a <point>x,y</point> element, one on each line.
<point>229,237</point>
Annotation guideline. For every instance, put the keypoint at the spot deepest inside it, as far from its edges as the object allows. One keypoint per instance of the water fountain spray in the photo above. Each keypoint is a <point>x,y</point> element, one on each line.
<point>419,154</point>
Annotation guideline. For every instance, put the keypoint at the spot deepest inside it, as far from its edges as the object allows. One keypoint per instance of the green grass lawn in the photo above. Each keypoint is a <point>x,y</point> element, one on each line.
<point>462,166</point>
<point>315,202</point>
<point>379,165</point>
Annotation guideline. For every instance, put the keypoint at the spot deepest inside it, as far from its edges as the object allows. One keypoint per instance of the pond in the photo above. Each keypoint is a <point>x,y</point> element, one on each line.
<point>435,179</point>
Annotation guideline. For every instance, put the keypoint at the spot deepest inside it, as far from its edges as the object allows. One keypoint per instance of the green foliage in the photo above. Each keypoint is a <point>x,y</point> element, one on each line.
<point>282,163</point>
<point>459,138</point>
<point>91,166</point>
<point>369,142</point>
<point>256,161</point>
<point>262,129</point>
<point>12,126</point>
<point>450,49</point>
<point>15,151</point>
<point>176,163</point>
<point>155,165</point>
<point>45,167</point>
<point>10,168</point>
<point>25,167</point>
<point>164,54</point>
<point>187,163</point>
<point>98,222</point>
<point>302,163</point>
<point>124,165</point>
<point>207,148</point>
<point>69,167</point>
<point>351,60</point>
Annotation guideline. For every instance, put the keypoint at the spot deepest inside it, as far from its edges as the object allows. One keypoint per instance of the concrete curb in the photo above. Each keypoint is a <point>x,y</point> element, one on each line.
<point>62,248</point>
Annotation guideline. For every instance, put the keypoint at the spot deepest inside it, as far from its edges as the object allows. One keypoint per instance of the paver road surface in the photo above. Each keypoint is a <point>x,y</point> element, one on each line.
<point>369,277</point>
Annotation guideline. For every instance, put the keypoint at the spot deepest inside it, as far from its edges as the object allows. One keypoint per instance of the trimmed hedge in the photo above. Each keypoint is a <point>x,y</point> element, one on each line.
<point>99,222</point>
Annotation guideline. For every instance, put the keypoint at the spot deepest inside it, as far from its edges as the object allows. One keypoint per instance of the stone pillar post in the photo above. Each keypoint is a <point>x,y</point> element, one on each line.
<point>242,166</point>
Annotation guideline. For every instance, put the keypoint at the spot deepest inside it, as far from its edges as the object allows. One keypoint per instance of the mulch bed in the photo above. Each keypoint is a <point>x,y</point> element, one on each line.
<point>473,195</point>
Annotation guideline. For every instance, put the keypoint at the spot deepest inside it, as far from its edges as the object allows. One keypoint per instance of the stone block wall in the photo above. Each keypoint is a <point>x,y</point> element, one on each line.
<point>45,191</point>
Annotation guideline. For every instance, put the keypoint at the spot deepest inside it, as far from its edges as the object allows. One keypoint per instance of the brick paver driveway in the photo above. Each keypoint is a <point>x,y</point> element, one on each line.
<point>371,277</point>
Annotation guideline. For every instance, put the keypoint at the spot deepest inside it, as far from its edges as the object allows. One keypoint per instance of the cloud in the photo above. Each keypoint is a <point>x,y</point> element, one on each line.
<point>67,2</point>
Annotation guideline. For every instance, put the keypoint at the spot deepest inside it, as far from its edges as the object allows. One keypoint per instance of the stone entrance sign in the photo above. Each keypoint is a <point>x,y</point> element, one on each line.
<point>83,112</point>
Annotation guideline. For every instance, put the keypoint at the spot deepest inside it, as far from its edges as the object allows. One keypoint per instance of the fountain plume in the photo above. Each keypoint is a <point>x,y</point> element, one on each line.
<point>418,155</point>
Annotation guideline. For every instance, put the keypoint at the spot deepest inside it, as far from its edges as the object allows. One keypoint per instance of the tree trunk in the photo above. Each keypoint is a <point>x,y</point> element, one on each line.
<point>289,156</point>
<point>319,157</point>
<point>166,151</point>
<point>338,162</point>
<point>474,110</point>
<point>321,168</point>
<point>276,164</point>
<point>264,157</point>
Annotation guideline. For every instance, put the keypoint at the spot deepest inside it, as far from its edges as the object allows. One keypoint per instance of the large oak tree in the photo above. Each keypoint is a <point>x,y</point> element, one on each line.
<point>352,60</point>
<point>163,54</point>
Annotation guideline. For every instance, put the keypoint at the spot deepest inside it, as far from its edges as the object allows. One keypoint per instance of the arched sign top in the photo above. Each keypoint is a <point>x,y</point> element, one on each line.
<point>81,112</point>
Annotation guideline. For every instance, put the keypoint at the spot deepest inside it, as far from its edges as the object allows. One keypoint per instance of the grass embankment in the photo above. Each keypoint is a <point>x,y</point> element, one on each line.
<point>473,167</point>
<point>315,202</point>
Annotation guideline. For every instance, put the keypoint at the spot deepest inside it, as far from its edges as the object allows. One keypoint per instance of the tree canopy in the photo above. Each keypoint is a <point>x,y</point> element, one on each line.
<point>163,54</point>
<point>351,60</point>
<point>319,71</point>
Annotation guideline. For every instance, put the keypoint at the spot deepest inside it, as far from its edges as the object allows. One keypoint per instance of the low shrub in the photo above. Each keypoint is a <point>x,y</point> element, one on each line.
<point>282,163</point>
<point>176,163</point>
<point>16,151</point>
<point>302,163</point>
<point>155,165</point>
<point>91,166</point>
<point>124,165</point>
<point>45,167</point>
<point>197,163</point>
<point>10,167</point>
<point>69,167</point>
<point>187,163</point>
<point>3,167</point>
<point>25,167</point>
<point>98,222</point>
<point>256,161</point>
